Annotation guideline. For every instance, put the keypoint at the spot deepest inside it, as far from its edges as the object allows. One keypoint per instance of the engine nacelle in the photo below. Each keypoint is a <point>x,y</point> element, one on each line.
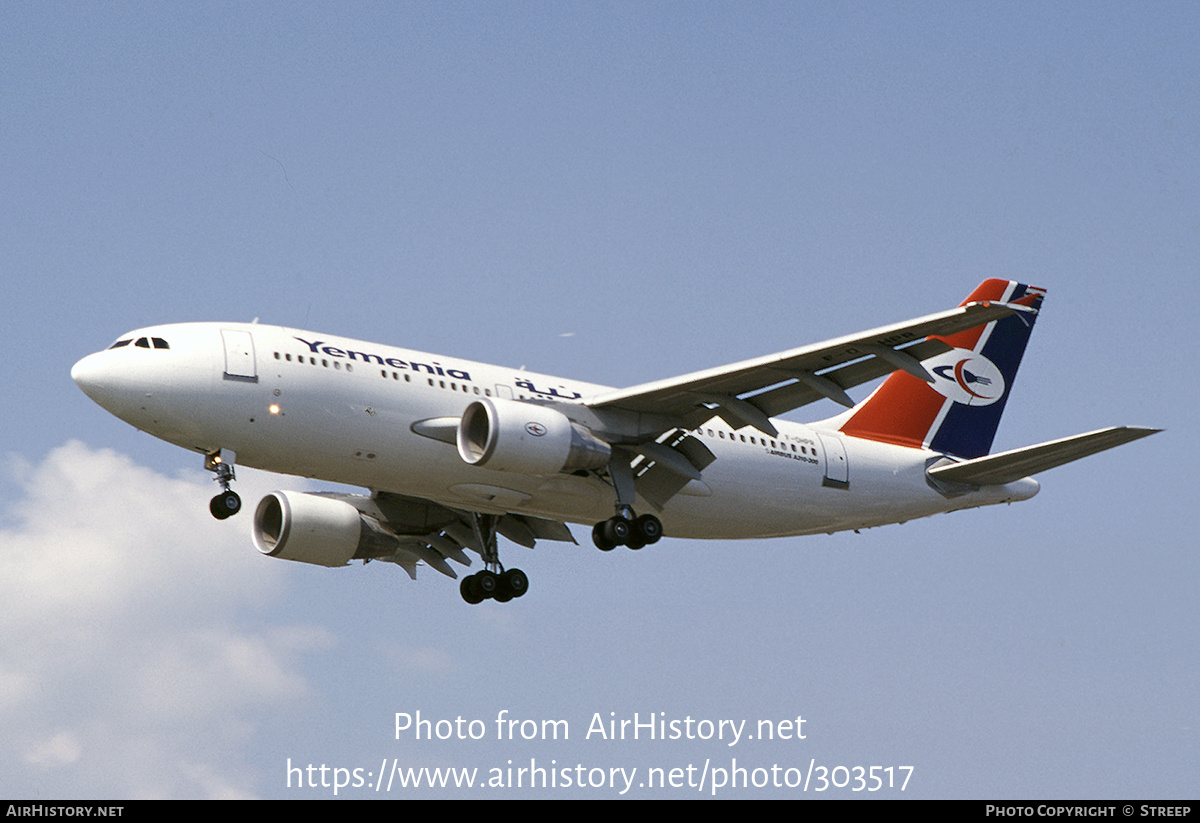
<point>526,438</point>
<point>313,528</point>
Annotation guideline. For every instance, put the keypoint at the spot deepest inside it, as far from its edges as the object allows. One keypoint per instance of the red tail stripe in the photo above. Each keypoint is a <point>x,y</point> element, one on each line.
<point>903,410</point>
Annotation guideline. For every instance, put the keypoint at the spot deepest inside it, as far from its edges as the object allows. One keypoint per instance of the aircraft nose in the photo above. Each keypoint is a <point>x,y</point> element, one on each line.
<point>100,380</point>
<point>88,375</point>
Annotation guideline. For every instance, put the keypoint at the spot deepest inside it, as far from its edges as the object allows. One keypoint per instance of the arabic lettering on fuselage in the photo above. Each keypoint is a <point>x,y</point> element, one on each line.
<point>319,347</point>
<point>522,383</point>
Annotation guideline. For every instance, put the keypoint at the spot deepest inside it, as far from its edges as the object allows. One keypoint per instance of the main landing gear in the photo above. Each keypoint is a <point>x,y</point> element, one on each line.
<point>625,528</point>
<point>227,503</point>
<point>499,586</point>
<point>493,581</point>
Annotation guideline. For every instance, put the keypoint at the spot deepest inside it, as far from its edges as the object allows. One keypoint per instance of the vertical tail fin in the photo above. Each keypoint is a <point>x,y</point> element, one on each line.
<point>959,412</point>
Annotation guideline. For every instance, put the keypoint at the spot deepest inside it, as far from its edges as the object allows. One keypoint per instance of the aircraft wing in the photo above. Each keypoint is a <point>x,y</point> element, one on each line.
<point>751,392</point>
<point>1005,467</point>
<point>429,532</point>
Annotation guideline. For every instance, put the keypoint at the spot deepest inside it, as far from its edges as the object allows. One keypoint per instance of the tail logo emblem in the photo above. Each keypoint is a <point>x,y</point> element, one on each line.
<point>966,377</point>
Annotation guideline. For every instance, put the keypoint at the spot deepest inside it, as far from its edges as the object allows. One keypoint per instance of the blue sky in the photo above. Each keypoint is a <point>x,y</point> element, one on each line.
<point>617,193</point>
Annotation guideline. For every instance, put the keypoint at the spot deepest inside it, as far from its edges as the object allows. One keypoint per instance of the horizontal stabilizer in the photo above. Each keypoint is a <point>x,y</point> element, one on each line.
<point>998,469</point>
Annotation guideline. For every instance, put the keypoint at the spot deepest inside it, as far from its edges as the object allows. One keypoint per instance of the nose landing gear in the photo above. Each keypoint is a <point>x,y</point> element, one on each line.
<point>227,503</point>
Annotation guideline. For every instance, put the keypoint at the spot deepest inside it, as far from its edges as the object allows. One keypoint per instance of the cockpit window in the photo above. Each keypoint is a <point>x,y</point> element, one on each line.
<point>143,343</point>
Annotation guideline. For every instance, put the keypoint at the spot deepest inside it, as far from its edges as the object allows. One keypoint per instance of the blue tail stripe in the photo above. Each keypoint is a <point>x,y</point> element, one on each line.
<point>968,431</point>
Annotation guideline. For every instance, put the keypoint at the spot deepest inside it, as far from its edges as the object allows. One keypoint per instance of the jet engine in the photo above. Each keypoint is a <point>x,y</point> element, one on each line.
<point>318,529</point>
<point>528,439</point>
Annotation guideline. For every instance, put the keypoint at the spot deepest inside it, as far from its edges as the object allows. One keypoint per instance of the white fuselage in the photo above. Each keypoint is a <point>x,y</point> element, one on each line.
<point>342,410</point>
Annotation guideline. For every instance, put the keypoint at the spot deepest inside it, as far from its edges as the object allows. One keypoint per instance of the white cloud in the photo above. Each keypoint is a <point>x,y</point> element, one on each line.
<point>424,659</point>
<point>60,749</point>
<point>137,660</point>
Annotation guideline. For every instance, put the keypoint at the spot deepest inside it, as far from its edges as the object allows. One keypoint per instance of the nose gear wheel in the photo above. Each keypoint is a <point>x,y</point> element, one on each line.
<point>227,503</point>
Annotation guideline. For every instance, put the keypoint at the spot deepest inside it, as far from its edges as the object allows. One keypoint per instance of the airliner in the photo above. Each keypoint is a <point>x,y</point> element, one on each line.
<point>456,453</point>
